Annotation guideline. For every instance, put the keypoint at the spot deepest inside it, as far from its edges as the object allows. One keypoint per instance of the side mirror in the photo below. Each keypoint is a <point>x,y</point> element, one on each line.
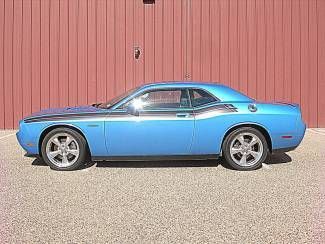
<point>132,110</point>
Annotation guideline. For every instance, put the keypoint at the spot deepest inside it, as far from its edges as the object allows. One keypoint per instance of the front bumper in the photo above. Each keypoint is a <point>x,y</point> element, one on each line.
<point>26,139</point>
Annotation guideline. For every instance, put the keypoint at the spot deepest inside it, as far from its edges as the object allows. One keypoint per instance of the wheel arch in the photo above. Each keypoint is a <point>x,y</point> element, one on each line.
<point>258,127</point>
<point>55,126</point>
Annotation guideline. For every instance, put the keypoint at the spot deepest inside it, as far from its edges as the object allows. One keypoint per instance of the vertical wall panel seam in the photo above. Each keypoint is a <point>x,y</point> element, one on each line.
<point>87,67</point>
<point>162,36</point>
<point>68,64</point>
<point>317,104</point>
<point>3,64</point>
<point>237,77</point>
<point>228,46</point>
<point>219,48</point>
<point>3,56</point>
<point>133,42</point>
<point>245,80</point>
<point>188,9</point>
<point>3,61</point>
<point>189,56</point>
<point>144,44</point>
<point>247,45</point>
<point>125,46</point>
<point>308,65</point>
<point>154,42</point>
<point>77,29</point>
<point>173,18</point>
<point>58,51</point>
<point>40,56</point>
<point>49,74</point>
<point>238,48</point>
<point>106,51</point>
<point>210,38</point>
<point>291,52</point>
<point>256,49</point>
<point>182,44</point>
<point>173,39</point>
<point>49,52</point>
<point>200,45</point>
<point>96,63</point>
<point>274,46</point>
<point>186,38</point>
<point>31,55</point>
<point>114,24</point>
<point>265,51</point>
<point>299,19</point>
<point>21,59</point>
<point>283,51</point>
<point>40,70</point>
<point>40,81</point>
<point>192,56</point>
<point>307,87</point>
<point>12,63</point>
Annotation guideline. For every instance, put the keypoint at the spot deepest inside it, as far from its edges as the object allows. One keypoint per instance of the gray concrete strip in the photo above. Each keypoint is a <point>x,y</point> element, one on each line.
<point>6,136</point>
<point>6,132</point>
<point>318,131</point>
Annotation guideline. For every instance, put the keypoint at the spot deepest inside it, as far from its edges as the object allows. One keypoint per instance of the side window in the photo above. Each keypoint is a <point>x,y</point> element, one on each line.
<point>200,97</point>
<point>161,99</point>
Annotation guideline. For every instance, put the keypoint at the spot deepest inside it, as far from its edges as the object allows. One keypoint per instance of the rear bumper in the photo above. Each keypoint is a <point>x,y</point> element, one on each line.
<point>295,141</point>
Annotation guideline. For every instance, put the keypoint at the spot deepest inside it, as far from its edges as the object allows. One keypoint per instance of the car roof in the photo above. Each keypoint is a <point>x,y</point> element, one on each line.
<point>179,83</point>
<point>223,92</point>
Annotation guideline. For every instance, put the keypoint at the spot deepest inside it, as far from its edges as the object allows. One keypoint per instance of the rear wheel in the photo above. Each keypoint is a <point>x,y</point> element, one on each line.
<point>245,149</point>
<point>64,149</point>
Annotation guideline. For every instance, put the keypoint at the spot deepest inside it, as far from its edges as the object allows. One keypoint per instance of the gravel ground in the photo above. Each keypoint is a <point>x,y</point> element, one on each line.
<point>174,202</point>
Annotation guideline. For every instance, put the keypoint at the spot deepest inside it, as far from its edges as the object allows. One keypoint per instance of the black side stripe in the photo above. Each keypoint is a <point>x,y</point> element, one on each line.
<point>222,108</point>
<point>65,117</point>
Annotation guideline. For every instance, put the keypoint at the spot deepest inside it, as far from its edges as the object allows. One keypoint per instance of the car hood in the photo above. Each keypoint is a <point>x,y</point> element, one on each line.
<point>60,112</point>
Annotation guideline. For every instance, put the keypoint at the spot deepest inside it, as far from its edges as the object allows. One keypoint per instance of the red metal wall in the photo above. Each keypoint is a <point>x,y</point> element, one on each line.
<point>68,52</point>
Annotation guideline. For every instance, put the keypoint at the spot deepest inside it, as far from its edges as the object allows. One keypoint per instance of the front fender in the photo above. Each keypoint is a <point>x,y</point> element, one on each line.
<point>93,132</point>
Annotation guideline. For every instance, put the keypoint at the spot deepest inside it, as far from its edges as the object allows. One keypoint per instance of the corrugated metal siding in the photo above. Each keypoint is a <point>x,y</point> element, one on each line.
<point>58,53</point>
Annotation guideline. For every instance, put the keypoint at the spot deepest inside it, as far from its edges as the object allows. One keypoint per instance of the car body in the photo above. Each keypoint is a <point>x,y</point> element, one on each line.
<point>193,123</point>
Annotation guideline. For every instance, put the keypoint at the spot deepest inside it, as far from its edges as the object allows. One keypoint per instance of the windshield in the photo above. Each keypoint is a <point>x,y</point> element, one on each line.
<point>115,100</point>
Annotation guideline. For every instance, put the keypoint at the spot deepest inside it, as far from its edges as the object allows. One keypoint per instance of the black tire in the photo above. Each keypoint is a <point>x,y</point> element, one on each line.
<point>82,146</point>
<point>227,144</point>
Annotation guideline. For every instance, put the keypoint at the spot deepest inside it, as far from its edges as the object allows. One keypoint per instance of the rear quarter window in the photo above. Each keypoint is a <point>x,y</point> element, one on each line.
<point>201,97</point>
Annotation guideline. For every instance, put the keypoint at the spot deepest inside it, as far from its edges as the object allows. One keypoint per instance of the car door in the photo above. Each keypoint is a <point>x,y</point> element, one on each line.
<point>162,125</point>
<point>209,115</point>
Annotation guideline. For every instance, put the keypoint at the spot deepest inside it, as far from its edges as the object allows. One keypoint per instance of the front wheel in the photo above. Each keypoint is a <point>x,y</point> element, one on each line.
<point>245,149</point>
<point>64,149</point>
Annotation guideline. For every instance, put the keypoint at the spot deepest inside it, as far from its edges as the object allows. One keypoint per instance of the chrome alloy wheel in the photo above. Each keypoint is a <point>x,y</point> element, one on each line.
<point>246,149</point>
<point>62,150</point>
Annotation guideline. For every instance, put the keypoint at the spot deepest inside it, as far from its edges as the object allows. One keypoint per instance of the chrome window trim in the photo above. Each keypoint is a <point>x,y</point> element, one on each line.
<point>132,96</point>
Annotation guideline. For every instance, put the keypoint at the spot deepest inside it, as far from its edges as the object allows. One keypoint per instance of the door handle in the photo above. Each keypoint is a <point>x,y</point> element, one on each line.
<point>182,115</point>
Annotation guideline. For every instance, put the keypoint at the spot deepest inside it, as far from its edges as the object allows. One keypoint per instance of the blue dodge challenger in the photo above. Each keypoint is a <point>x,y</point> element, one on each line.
<point>170,120</point>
